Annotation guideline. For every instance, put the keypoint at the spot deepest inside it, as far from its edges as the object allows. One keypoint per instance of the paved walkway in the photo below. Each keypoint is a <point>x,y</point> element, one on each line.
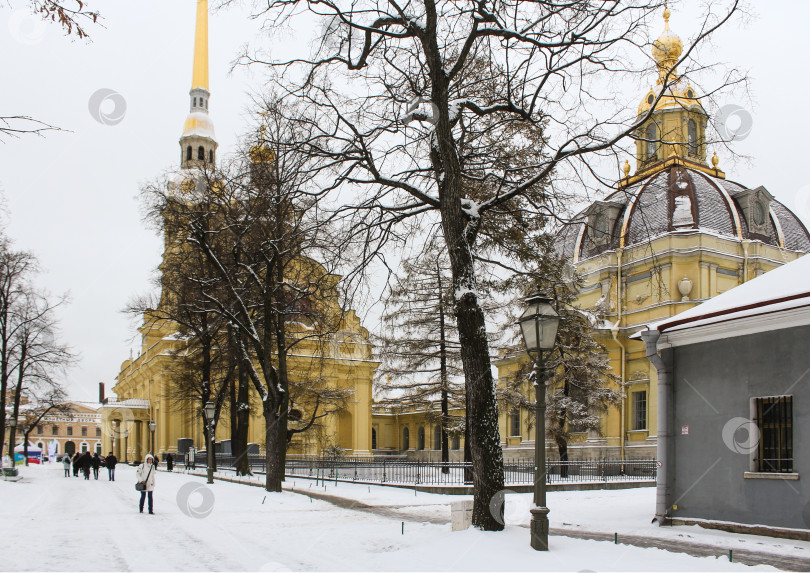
<point>747,557</point>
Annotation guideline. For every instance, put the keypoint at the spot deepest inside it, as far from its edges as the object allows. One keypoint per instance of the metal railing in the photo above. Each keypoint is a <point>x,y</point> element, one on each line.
<point>401,471</point>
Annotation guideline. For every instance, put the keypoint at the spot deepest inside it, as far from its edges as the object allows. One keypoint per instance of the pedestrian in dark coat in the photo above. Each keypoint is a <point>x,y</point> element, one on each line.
<point>96,461</point>
<point>87,464</point>
<point>169,462</point>
<point>76,464</point>
<point>110,462</point>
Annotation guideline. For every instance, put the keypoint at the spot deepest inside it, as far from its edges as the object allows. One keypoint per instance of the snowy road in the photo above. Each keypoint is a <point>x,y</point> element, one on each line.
<point>48,522</point>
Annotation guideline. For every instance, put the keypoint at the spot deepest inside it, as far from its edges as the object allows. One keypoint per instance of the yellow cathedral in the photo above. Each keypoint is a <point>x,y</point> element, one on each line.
<point>144,417</point>
<point>673,233</point>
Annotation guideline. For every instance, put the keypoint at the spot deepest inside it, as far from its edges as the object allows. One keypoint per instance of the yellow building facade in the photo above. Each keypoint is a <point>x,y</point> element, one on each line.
<point>146,415</point>
<point>673,234</point>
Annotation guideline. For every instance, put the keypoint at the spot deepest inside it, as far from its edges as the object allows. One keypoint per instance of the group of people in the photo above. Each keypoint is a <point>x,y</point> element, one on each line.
<point>144,474</point>
<point>86,462</point>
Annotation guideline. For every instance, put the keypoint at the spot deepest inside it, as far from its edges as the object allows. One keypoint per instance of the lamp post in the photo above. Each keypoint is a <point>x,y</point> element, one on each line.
<point>210,410</point>
<point>152,427</point>
<point>538,324</point>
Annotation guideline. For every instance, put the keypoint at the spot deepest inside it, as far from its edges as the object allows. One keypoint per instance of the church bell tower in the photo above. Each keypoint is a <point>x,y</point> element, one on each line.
<point>198,144</point>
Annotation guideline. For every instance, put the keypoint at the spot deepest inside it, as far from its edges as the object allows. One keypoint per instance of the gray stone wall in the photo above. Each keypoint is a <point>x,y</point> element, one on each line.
<point>713,386</point>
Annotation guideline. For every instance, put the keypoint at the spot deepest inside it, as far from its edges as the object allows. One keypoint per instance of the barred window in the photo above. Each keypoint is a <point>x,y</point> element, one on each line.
<point>774,419</point>
<point>640,410</point>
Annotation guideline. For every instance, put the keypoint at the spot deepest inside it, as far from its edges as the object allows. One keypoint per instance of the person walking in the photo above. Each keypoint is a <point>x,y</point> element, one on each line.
<point>169,462</point>
<point>87,463</point>
<point>145,474</point>
<point>66,464</point>
<point>110,462</point>
<point>96,462</point>
<point>76,464</point>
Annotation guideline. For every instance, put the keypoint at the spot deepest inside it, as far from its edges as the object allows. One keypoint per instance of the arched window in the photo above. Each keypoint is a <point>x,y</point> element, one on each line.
<point>420,438</point>
<point>373,439</point>
<point>206,104</point>
<point>691,135</point>
<point>211,156</point>
<point>514,426</point>
<point>652,141</point>
<point>455,443</point>
<point>437,437</point>
<point>406,439</point>
<point>201,153</point>
<point>194,102</point>
<point>188,153</point>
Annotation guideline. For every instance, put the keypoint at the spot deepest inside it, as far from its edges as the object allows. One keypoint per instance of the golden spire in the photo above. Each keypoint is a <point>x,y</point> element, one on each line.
<point>666,50</point>
<point>200,77</point>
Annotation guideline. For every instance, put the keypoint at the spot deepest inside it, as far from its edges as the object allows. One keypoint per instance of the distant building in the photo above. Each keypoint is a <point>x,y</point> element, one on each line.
<point>732,381</point>
<point>80,430</point>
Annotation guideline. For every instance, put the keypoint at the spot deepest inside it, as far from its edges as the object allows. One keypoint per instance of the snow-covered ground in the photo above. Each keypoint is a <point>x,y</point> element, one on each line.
<point>49,522</point>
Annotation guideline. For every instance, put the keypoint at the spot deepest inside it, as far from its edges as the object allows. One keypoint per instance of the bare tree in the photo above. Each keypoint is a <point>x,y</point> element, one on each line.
<point>43,401</point>
<point>260,231</point>
<point>38,357</point>
<point>438,79</point>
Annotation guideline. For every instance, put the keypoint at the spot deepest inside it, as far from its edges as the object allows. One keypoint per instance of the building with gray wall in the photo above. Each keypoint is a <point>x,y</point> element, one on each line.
<point>733,380</point>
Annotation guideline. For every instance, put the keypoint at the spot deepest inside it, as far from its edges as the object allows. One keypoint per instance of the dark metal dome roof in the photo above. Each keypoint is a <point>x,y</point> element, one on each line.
<point>674,200</point>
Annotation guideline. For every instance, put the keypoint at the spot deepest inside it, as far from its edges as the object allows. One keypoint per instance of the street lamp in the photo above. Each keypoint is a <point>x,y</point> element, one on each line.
<point>538,324</point>
<point>152,427</point>
<point>210,410</point>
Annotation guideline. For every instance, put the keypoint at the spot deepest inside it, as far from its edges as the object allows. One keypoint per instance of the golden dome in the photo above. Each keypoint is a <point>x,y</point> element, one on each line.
<point>666,50</point>
<point>261,153</point>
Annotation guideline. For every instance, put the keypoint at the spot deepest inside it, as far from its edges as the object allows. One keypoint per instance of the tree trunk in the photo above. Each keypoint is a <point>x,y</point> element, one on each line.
<point>562,448</point>
<point>273,445</point>
<point>443,372</point>
<point>25,450</point>
<point>240,435</point>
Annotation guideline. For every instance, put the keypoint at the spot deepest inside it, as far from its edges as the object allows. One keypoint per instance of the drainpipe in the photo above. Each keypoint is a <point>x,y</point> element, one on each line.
<point>615,333</point>
<point>745,245</point>
<point>665,433</point>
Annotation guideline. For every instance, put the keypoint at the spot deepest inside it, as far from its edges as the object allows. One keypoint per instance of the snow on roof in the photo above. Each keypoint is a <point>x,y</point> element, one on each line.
<point>784,288</point>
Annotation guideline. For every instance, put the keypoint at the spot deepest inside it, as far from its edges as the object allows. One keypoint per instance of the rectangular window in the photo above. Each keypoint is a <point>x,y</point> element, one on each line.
<point>70,430</point>
<point>84,431</point>
<point>39,430</point>
<point>640,410</point>
<point>774,419</point>
<point>514,419</point>
<point>55,430</point>
<point>98,432</point>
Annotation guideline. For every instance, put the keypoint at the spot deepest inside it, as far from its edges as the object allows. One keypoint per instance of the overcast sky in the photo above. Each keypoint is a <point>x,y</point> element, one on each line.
<point>72,199</point>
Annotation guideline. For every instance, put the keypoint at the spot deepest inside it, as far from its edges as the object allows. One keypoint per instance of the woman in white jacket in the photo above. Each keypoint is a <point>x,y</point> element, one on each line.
<point>146,474</point>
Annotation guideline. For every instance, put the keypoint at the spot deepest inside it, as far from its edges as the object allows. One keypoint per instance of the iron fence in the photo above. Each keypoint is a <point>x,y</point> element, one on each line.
<point>398,470</point>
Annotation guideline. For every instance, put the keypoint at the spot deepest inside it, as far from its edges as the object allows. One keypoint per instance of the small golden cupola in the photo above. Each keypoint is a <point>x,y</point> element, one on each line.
<point>675,132</point>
